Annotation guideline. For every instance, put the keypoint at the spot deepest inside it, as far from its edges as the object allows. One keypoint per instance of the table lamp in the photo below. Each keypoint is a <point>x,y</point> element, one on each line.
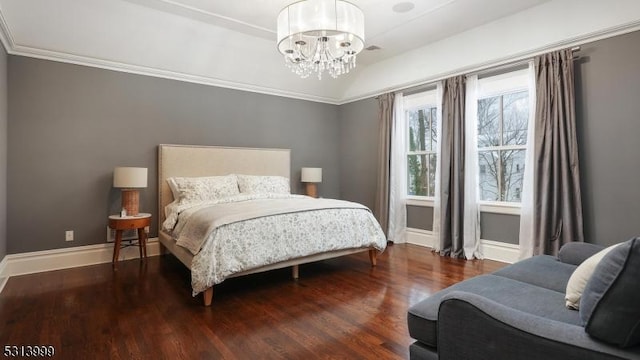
<point>130,179</point>
<point>311,176</point>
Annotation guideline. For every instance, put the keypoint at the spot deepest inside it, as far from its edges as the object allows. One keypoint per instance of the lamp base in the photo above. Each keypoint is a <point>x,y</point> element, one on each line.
<point>312,190</point>
<point>131,201</point>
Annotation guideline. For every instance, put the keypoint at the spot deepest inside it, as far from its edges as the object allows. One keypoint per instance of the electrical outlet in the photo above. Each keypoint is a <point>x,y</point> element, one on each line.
<point>68,235</point>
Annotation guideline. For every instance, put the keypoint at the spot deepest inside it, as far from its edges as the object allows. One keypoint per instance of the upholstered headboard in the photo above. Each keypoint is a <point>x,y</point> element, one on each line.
<point>194,160</point>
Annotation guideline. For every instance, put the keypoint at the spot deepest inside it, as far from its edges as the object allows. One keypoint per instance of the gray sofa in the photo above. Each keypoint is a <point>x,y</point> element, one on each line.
<point>517,312</point>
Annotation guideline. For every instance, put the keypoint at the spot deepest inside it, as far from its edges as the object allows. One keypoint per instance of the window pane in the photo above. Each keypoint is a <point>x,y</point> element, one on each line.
<point>434,129</point>
<point>516,117</point>
<point>418,126</point>
<point>489,122</point>
<point>412,121</point>
<point>489,168</point>
<point>512,174</point>
<point>432,174</point>
<point>417,167</point>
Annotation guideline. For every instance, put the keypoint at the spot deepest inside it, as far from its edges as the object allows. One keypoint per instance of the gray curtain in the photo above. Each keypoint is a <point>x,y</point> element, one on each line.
<point>385,121</point>
<point>452,167</point>
<point>557,199</point>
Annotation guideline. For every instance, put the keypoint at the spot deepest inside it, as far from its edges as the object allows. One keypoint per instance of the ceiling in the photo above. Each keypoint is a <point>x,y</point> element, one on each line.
<point>223,42</point>
<point>393,32</point>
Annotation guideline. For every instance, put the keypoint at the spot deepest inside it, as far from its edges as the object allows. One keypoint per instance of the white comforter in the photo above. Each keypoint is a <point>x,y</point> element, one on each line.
<point>249,231</point>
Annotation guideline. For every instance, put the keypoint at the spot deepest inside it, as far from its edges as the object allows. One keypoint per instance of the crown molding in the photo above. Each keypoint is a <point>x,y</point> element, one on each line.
<point>16,49</point>
<point>5,34</point>
<point>522,56</point>
<point>161,73</point>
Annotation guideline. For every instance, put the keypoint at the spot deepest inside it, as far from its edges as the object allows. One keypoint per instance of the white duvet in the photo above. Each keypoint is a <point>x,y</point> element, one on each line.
<point>244,232</point>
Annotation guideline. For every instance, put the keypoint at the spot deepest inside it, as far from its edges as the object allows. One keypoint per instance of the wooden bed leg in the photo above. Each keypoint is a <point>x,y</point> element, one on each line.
<point>208,296</point>
<point>295,272</point>
<point>372,256</point>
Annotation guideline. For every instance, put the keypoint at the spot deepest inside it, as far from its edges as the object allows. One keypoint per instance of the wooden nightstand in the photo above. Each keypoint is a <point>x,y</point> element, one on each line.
<point>138,222</point>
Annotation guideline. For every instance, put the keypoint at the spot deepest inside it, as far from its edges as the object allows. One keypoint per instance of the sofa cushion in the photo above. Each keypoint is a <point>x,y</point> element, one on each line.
<point>539,301</point>
<point>609,306</point>
<point>576,252</point>
<point>543,270</point>
<point>580,277</point>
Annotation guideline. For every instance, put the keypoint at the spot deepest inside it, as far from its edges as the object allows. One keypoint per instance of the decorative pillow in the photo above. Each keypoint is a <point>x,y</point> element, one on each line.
<point>250,184</point>
<point>610,304</point>
<point>174,189</point>
<point>581,275</point>
<point>198,189</point>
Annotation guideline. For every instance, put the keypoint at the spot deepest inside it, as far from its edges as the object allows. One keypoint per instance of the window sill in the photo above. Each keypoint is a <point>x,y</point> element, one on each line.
<point>494,208</point>
<point>419,202</point>
<point>500,208</point>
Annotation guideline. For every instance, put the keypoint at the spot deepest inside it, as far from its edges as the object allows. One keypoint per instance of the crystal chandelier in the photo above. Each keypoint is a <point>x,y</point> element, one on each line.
<point>320,35</point>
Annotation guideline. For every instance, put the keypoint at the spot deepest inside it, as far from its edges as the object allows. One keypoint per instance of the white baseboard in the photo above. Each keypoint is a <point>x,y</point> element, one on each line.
<point>48,260</point>
<point>3,278</point>
<point>420,237</point>
<point>500,251</point>
<point>492,250</point>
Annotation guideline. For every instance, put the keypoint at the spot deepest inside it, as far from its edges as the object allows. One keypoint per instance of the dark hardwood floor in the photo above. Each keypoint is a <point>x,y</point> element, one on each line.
<point>338,309</point>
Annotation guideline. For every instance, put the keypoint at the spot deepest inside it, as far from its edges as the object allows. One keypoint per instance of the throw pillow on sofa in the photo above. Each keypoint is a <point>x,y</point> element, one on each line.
<point>609,305</point>
<point>580,277</point>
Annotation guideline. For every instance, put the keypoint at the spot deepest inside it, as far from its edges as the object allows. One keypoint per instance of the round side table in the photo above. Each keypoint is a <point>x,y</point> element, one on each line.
<point>138,222</point>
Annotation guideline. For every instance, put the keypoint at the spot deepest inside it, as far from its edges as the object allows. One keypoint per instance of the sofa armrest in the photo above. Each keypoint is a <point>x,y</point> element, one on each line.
<point>473,327</point>
<point>577,252</point>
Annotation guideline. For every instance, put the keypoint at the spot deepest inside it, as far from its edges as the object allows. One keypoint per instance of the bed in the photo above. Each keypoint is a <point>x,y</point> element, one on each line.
<point>206,161</point>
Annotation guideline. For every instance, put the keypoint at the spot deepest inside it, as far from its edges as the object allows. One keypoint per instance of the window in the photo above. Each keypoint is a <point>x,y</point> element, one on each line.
<point>421,114</point>
<point>503,119</point>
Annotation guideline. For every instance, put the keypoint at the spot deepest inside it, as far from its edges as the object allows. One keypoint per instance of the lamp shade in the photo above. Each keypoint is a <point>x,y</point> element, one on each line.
<point>320,35</point>
<point>130,177</point>
<point>311,175</point>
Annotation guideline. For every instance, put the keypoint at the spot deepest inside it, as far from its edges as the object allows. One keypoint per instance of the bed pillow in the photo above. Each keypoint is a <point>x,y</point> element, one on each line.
<point>199,189</point>
<point>174,189</point>
<point>609,305</point>
<point>251,184</point>
<point>580,277</point>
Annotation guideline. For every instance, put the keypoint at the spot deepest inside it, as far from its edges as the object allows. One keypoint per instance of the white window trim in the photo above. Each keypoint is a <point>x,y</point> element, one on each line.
<point>500,207</point>
<point>501,85</point>
<point>502,148</point>
<point>485,206</point>
<point>420,201</point>
<point>425,99</point>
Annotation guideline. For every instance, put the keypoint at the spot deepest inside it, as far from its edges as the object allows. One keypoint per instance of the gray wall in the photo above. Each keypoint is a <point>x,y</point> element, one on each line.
<point>500,227</point>
<point>420,217</point>
<point>359,151</point>
<point>70,125</point>
<point>608,113</point>
<point>3,152</point>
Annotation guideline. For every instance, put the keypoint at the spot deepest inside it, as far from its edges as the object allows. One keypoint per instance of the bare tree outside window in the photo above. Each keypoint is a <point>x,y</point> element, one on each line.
<point>502,142</point>
<point>421,154</point>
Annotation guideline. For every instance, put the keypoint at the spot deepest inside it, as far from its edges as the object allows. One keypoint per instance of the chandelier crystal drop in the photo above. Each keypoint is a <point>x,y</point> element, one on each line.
<point>315,36</point>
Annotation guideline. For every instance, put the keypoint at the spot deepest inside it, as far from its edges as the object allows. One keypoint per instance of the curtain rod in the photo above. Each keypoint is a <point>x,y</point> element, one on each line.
<point>506,65</point>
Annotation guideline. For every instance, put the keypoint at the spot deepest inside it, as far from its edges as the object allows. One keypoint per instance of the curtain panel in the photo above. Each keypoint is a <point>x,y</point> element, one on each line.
<point>452,169</point>
<point>398,175</point>
<point>471,226</point>
<point>557,196</point>
<point>527,209</point>
<point>385,123</point>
